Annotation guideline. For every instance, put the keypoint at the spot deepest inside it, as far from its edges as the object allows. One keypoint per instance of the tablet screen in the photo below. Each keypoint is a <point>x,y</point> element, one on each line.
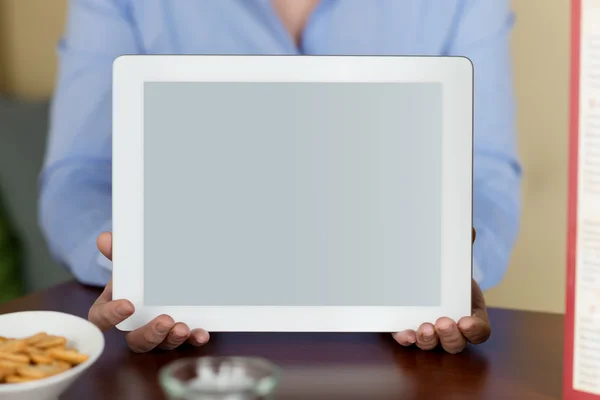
<point>292,194</point>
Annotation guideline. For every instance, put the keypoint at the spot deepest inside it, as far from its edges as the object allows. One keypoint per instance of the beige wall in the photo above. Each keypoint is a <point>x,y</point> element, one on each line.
<point>541,58</point>
<point>29,30</point>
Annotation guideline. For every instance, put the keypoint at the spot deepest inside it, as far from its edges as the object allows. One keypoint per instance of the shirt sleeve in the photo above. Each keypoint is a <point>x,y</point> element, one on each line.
<point>75,183</point>
<point>482,34</point>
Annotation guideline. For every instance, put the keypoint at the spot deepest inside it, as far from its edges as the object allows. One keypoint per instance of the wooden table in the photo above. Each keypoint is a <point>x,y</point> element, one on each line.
<point>522,360</point>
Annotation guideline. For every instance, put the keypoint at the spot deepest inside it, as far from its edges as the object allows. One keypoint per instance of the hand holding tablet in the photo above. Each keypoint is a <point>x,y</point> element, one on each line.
<point>164,333</point>
<point>452,335</point>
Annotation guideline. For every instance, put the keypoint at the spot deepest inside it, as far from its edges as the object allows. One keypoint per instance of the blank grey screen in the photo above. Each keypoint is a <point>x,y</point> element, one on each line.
<point>292,194</point>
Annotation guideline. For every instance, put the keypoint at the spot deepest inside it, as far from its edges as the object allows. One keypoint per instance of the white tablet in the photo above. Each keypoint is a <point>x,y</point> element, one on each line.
<point>292,193</point>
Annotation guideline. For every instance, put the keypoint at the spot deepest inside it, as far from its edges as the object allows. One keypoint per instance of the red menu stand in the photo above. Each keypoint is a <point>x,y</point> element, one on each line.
<point>582,319</point>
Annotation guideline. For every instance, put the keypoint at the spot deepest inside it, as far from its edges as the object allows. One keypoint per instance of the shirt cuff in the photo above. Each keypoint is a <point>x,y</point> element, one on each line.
<point>104,262</point>
<point>87,263</point>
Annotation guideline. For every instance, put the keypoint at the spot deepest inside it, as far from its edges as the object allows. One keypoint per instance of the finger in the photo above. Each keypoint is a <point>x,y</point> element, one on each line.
<point>450,336</point>
<point>405,338</point>
<point>107,315</point>
<point>426,337</point>
<point>176,337</point>
<point>150,335</point>
<point>198,337</point>
<point>479,308</point>
<point>104,243</point>
<point>474,235</point>
<point>474,329</point>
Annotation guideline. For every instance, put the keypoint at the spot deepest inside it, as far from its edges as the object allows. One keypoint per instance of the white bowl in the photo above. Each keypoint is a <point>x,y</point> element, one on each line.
<point>80,333</point>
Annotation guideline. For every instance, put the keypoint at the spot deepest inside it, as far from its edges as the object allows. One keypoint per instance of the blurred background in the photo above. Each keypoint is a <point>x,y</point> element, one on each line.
<point>29,32</point>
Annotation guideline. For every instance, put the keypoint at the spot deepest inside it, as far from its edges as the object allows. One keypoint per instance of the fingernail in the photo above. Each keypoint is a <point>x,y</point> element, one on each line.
<point>405,337</point>
<point>427,333</point>
<point>123,310</point>
<point>468,328</point>
<point>201,337</point>
<point>178,334</point>
<point>446,329</point>
<point>163,328</point>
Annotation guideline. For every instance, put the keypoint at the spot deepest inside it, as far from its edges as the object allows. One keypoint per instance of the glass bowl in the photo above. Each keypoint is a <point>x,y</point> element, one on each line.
<point>231,378</point>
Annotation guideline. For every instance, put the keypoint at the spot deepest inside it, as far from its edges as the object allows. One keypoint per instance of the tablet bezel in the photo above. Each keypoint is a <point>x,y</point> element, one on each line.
<point>456,76</point>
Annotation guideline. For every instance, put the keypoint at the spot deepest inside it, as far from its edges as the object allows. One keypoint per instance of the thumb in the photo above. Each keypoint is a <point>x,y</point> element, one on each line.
<point>104,243</point>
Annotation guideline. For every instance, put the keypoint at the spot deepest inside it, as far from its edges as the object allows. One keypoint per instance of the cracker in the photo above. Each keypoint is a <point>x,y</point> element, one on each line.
<point>12,346</point>
<point>71,356</point>
<point>39,356</point>
<point>4,372</point>
<point>62,365</point>
<point>38,371</point>
<point>18,358</point>
<point>36,357</point>
<point>9,367</point>
<point>34,339</point>
<point>51,341</point>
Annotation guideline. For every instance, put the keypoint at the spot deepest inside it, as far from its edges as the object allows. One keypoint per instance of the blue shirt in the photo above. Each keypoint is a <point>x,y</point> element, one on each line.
<point>75,200</point>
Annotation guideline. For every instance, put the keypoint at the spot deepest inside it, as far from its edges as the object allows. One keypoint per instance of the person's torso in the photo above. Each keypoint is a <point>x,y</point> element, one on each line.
<point>335,27</point>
